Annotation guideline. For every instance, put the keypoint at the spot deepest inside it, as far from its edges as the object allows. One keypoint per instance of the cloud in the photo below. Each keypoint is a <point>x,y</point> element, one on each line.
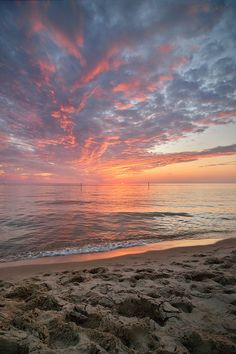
<point>70,42</point>
<point>95,86</point>
<point>229,163</point>
<point>134,166</point>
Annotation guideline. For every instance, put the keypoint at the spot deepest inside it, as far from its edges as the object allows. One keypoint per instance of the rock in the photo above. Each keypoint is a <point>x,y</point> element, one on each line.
<point>230,325</point>
<point>77,315</point>
<point>8,345</point>
<point>197,342</point>
<point>22,292</point>
<point>147,270</point>
<point>167,307</point>
<point>140,307</point>
<point>62,334</point>
<point>28,323</point>
<point>199,276</point>
<point>4,284</point>
<point>108,341</point>
<point>44,302</point>
<point>230,290</point>
<point>213,260</point>
<point>183,304</point>
<point>169,346</point>
<point>98,270</point>
<point>11,345</point>
<point>225,280</point>
<point>104,288</point>
<point>75,279</point>
<point>167,311</point>
<point>105,301</point>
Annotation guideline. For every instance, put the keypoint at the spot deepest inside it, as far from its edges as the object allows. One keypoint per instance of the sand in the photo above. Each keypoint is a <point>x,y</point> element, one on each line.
<point>181,300</point>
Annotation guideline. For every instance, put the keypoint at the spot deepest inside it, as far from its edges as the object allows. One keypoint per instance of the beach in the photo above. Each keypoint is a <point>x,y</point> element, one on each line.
<point>177,300</point>
<point>117,177</point>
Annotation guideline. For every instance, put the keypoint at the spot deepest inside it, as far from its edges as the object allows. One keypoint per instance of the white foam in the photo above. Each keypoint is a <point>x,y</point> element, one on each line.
<point>81,250</point>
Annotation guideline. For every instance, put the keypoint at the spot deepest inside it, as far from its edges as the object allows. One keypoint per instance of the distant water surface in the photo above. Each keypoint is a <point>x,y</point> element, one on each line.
<point>40,220</point>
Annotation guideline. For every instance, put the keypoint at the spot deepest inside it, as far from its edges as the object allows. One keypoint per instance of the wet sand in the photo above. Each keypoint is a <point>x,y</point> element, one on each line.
<point>180,300</point>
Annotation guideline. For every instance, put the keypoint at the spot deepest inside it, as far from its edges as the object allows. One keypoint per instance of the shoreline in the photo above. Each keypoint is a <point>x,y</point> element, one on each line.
<point>158,252</point>
<point>113,253</point>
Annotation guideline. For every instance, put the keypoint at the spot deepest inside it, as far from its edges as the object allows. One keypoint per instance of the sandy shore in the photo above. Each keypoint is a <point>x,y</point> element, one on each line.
<point>180,300</point>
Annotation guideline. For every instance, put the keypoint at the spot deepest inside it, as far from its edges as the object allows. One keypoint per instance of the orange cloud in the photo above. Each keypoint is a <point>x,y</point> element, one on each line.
<point>47,69</point>
<point>85,97</point>
<point>39,24</point>
<point>64,120</point>
<point>127,86</point>
<point>65,43</point>
<point>46,66</point>
<point>137,90</point>
<point>36,22</point>
<point>194,8</point>
<point>67,141</point>
<point>116,63</point>
<point>41,143</point>
<point>67,109</point>
<point>79,39</point>
<point>107,62</point>
<point>227,114</point>
<point>153,86</point>
<point>4,141</point>
<point>63,117</point>
<point>93,149</point>
<point>132,90</point>
<point>134,166</point>
<point>43,174</point>
<point>164,78</point>
<point>139,97</point>
<point>121,105</point>
<point>166,48</point>
<point>217,117</point>
<point>97,70</point>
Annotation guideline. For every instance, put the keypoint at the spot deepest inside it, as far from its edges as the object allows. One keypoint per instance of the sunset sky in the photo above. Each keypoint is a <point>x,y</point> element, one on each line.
<point>117,91</point>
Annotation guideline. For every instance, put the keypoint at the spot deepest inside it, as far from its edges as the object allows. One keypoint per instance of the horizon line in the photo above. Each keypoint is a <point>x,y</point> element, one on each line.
<point>107,184</point>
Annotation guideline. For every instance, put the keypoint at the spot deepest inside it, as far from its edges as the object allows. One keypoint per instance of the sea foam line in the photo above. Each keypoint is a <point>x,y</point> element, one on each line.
<point>81,250</point>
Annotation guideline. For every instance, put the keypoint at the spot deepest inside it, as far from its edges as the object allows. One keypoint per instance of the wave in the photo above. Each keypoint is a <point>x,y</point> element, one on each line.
<point>109,246</point>
<point>81,250</point>
<point>150,214</point>
<point>64,202</point>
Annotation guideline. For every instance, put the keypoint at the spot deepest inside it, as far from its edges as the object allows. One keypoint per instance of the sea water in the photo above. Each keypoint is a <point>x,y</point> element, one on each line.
<point>50,220</point>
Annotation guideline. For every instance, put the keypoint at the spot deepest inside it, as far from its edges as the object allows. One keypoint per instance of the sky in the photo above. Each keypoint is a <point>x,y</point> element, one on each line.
<point>121,91</point>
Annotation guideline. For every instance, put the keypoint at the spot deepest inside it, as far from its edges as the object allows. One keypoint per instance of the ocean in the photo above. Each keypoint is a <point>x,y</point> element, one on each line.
<point>50,220</point>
